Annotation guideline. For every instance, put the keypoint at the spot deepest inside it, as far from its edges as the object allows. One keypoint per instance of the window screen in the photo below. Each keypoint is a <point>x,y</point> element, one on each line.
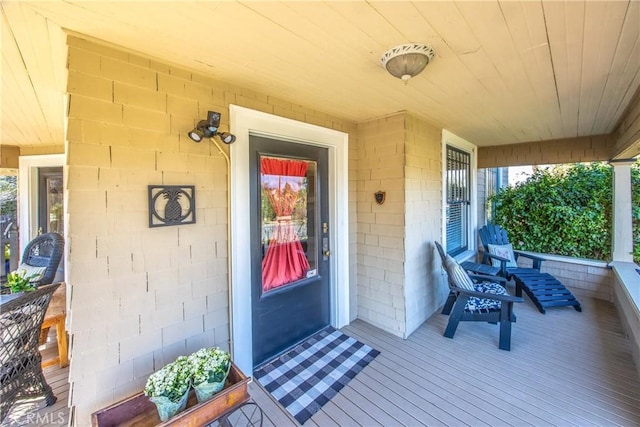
<point>458,200</point>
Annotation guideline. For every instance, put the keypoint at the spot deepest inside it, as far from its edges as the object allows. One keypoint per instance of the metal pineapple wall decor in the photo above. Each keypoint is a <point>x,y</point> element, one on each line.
<point>171,205</point>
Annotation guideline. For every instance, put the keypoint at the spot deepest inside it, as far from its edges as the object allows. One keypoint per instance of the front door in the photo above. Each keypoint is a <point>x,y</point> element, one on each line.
<point>290,244</point>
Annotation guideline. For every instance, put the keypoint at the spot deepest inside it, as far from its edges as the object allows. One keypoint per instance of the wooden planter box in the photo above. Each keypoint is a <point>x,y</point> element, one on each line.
<point>139,411</point>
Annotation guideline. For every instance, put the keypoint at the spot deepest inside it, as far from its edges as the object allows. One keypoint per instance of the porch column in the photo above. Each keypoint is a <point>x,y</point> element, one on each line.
<point>622,225</point>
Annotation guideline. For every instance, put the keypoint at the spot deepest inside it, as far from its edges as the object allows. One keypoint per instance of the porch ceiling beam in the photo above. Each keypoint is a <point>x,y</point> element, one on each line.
<point>9,156</point>
<point>554,151</point>
<point>626,135</point>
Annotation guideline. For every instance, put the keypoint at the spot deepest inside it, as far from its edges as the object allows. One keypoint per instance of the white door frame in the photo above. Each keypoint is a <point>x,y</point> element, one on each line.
<point>245,122</point>
<point>28,192</point>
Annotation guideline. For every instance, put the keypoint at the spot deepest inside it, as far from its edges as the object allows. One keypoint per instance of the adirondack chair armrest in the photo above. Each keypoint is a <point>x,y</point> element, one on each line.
<point>497,257</point>
<point>502,298</point>
<point>486,255</point>
<point>503,263</point>
<point>486,278</point>
<point>537,260</point>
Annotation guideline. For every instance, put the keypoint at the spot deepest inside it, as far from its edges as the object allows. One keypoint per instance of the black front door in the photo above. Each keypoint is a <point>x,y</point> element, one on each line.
<point>290,244</point>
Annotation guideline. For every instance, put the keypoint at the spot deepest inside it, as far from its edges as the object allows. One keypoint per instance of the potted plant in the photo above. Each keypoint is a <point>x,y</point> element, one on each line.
<point>18,281</point>
<point>209,370</point>
<point>169,387</point>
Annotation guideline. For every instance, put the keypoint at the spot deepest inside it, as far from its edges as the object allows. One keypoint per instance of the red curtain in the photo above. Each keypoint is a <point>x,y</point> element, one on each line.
<point>285,260</point>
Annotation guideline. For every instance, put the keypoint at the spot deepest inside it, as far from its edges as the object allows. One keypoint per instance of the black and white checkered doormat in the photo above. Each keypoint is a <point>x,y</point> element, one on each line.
<point>307,377</point>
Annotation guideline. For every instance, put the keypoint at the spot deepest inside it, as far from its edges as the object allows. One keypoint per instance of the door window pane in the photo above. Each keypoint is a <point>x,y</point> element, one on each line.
<point>288,199</point>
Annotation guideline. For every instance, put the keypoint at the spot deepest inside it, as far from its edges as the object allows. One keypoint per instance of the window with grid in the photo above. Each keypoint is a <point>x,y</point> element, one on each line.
<point>458,200</point>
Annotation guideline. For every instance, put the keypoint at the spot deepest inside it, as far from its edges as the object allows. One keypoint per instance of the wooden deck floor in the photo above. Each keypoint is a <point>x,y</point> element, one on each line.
<point>32,412</point>
<point>565,368</point>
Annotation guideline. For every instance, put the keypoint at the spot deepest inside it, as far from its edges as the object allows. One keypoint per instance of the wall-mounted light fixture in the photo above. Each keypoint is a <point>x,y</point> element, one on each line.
<point>209,128</point>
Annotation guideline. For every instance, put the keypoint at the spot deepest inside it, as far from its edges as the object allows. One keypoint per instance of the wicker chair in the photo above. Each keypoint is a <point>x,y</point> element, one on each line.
<point>44,250</point>
<point>21,376</point>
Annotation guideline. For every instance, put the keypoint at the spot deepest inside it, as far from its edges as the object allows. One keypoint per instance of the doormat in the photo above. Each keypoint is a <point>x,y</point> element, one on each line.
<point>307,377</point>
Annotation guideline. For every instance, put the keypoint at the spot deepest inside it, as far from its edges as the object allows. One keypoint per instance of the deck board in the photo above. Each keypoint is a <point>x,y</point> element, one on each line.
<point>565,368</point>
<point>427,376</point>
<point>448,380</point>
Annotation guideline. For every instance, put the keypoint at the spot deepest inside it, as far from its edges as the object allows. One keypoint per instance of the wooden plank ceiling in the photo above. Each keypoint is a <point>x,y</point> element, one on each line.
<point>504,72</point>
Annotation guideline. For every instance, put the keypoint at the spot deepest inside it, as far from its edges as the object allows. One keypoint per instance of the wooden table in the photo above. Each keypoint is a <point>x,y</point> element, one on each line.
<point>61,335</point>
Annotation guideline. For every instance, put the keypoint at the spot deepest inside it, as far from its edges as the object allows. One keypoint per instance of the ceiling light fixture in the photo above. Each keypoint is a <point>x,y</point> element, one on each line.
<point>209,128</point>
<point>407,60</point>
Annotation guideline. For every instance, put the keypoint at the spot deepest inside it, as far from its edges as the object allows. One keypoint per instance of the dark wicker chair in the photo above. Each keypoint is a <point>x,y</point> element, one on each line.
<point>21,376</point>
<point>45,250</point>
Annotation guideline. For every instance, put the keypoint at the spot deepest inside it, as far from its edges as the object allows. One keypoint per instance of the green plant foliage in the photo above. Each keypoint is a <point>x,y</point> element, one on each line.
<point>564,210</point>
<point>8,195</point>
<point>18,281</point>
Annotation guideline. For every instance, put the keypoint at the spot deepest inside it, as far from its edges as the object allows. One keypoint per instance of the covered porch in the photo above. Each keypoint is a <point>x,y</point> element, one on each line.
<point>564,368</point>
<point>111,105</point>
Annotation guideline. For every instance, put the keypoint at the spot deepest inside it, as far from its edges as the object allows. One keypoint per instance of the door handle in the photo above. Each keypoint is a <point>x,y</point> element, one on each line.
<point>325,248</point>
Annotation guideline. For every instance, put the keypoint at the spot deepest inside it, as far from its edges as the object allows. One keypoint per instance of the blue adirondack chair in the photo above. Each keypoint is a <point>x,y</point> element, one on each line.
<point>482,301</point>
<point>544,289</point>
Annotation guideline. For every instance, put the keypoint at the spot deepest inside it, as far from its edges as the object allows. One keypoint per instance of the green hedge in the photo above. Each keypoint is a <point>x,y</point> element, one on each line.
<point>565,210</point>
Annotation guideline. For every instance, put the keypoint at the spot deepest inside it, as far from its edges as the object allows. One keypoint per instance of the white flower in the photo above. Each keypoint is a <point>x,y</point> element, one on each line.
<point>172,381</point>
<point>209,365</point>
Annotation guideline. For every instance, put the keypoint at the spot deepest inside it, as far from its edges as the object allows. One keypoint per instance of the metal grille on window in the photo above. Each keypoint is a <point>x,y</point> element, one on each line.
<point>458,200</point>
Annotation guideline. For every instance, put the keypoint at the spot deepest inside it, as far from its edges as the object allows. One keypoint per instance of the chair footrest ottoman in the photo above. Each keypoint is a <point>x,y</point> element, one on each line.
<point>545,291</point>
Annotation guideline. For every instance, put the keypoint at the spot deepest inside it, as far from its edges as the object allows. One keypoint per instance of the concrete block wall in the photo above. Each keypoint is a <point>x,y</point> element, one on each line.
<point>140,297</point>
<point>399,282</point>
<point>425,287</point>
<point>381,228</point>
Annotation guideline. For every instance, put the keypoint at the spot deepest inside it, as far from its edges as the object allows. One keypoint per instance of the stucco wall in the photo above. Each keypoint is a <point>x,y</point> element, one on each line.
<point>425,289</point>
<point>139,296</point>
